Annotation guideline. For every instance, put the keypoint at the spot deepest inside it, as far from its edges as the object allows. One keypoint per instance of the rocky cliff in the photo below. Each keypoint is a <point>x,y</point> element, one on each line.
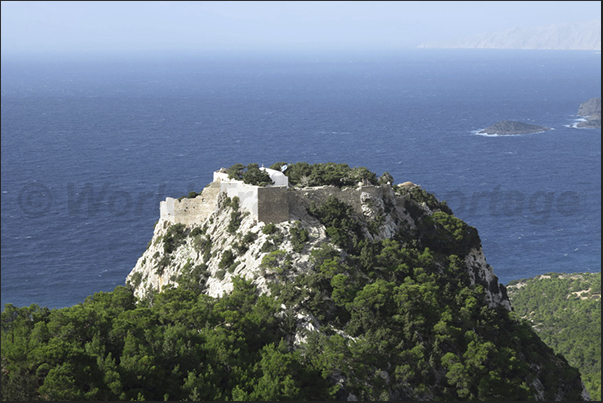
<point>379,285</point>
<point>174,249</point>
<point>591,110</point>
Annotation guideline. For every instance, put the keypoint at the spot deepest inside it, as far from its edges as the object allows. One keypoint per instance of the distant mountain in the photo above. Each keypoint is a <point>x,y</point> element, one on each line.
<point>568,36</point>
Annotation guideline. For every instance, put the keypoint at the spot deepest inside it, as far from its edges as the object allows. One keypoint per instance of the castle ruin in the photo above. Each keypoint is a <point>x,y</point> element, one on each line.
<point>268,204</point>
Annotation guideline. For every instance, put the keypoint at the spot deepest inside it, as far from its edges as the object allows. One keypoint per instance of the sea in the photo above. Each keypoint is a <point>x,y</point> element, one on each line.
<point>91,143</point>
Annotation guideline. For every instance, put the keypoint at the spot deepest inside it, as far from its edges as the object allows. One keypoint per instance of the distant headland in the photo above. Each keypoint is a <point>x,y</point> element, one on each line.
<point>568,36</point>
<point>591,110</point>
<point>507,127</point>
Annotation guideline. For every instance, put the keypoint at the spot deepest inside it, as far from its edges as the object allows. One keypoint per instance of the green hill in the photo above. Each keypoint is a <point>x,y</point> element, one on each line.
<point>368,291</point>
<point>565,310</point>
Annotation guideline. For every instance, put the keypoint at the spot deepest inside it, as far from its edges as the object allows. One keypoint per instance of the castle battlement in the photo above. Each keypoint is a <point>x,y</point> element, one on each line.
<point>267,204</point>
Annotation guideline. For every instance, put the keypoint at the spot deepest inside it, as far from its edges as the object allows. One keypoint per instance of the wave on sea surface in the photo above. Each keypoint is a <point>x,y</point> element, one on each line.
<point>577,121</point>
<point>477,132</point>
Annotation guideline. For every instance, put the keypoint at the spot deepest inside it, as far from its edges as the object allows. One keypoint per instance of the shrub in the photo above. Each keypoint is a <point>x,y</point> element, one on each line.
<point>269,229</point>
<point>337,217</point>
<point>193,279</point>
<point>197,231</point>
<point>233,203</point>
<point>278,261</point>
<point>298,173</point>
<point>374,225</point>
<point>249,238</point>
<point>220,274</point>
<point>274,239</point>
<point>250,174</point>
<point>363,175</point>
<point>135,280</point>
<point>228,258</point>
<point>174,237</point>
<point>207,252</point>
<point>162,264</point>
<point>422,196</point>
<point>236,171</point>
<point>299,236</point>
<point>268,246</point>
<point>243,246</point>
<point>386,178</point>
<point>255,176</point>
<point>448,234</point>
<point>236,217</point>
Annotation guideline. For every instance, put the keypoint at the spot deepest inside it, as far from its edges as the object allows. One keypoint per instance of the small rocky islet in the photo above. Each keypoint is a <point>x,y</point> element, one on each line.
<point>509,128</point>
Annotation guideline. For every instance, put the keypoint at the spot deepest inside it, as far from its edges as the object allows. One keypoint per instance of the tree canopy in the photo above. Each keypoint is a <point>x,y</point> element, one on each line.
<point>565,310</point>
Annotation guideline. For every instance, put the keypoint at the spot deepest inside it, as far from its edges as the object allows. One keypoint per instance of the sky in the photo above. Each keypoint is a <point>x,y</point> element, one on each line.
<point>83,26</point>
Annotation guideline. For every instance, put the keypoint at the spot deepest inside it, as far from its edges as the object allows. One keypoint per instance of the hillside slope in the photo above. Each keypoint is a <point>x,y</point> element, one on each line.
<point>369,291</point>
<point>565,310</point>
<point>386,269</point>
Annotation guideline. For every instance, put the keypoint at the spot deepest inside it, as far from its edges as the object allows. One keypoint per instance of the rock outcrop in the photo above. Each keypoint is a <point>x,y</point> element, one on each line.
<point>507,127</point>
<point>591,110</point>
<point>207,243</point>
<point>361,268</point>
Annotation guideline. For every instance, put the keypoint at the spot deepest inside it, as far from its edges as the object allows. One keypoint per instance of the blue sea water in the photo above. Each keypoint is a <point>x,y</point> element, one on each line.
<point>91,144</point>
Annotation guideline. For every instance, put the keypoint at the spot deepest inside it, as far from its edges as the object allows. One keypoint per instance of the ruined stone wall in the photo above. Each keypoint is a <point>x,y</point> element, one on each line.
<point>267,204</point>
<point>191,211</point>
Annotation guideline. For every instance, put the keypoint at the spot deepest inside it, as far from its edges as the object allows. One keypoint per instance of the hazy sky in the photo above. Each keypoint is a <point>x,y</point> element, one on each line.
<point>103,26</point>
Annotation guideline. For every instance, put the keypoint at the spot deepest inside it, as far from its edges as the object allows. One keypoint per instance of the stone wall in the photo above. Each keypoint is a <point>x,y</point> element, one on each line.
<point>267,204</point>
<point>273,205</point>
<point>191,211</point>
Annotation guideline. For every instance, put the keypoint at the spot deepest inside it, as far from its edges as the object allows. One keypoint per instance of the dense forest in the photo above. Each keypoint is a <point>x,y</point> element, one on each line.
<point>398,318</point>
<point>565,310</point>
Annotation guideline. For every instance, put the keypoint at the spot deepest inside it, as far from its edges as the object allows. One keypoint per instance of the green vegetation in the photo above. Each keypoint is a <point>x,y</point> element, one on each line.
<point>275,238</point>
<point>269,228</point>
<point>278,261</point>
<point>397,319</point>
<point>386,178</point>
<point>193,279</point>
<point>565,310</point>
<point>413,313</point>
<point>162,264</point>
<point>446,233</point>
<point>191,195</point>
<point>174,237</point>
<point>421,196</point>
<point>236,216</point>
<point>250,174</point>
<point>299,236</point>
<point>338,218</point>
<point>182,346</point>
<point>227,261</point>
<point>233,203</point>
<point>242,246</point>
<point>329,173</point>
